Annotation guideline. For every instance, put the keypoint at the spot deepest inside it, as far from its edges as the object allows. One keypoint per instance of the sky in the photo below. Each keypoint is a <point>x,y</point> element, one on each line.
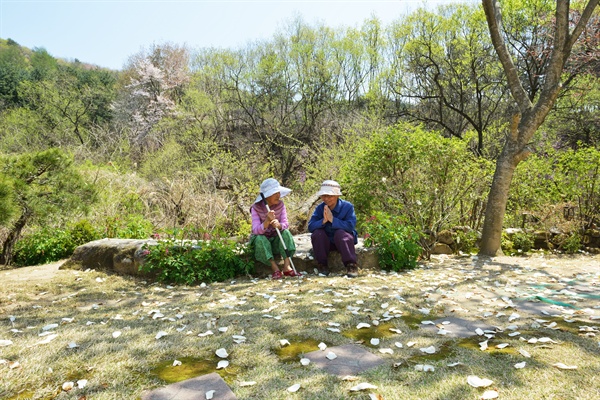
<point>107,32</point>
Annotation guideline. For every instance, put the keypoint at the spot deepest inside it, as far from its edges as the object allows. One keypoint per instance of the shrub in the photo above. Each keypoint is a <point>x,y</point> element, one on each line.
<point>466,241</point>
<point>189,263</point>
<point>517,243</point>
<point>397,243</point>
<point>572,243</point>
<point>49,245</point>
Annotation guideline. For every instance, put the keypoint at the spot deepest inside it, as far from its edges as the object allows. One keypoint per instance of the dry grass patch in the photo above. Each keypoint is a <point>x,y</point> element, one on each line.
<point>107,327</point>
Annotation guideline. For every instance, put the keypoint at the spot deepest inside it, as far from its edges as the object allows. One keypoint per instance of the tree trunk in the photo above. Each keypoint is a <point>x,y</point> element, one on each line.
<point>9,244</point>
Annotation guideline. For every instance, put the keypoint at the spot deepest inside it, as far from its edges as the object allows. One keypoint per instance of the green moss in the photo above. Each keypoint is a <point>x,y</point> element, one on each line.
<point>191,368</point>
<point>445,350</point>
<point>473,344</point>
<point>296,348</point>
<point>365,335</point>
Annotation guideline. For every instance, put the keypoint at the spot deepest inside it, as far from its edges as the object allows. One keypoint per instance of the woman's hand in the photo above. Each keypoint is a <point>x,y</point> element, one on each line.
<point>327,215</point>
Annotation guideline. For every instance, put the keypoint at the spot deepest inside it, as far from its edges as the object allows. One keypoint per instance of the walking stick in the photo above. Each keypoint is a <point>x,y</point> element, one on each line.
<point>280,237</point>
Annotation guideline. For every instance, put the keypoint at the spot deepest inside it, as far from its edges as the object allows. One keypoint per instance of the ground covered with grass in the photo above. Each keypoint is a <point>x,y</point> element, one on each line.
<point>115,337</point>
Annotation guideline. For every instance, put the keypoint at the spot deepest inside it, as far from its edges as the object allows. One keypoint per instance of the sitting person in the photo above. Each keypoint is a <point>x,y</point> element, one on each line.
<point>333,227</point>
<point>265,224</point>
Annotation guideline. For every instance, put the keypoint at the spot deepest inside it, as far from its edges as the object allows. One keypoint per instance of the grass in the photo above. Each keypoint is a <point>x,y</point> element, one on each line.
<point>89,307</point>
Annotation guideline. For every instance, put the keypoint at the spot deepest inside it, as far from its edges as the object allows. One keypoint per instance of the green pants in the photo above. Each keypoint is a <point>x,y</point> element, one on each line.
<point>265,248</point>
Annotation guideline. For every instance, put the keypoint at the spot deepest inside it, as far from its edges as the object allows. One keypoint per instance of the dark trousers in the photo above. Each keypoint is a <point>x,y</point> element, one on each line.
<point>343,242</point>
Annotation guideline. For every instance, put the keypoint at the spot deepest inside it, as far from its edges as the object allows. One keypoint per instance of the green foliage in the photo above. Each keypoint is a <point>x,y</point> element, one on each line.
<point>572,243</point>
<point>187,263</point>
<point>47,245</point>
<point>7,208</point>
<point>130,226</point>
<point>397,243</point>
<point>518,242</point>
<point>467,241</point>
<point>431,180</point>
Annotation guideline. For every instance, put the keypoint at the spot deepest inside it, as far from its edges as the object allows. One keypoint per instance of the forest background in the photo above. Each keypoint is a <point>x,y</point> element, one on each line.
<point>408,117</point>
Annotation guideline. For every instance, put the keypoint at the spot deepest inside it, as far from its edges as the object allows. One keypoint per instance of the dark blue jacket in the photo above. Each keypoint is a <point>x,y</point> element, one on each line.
<point>343,218</point>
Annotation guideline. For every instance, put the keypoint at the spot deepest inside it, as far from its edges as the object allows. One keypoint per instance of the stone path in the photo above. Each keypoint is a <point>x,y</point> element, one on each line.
<point>200,388</point>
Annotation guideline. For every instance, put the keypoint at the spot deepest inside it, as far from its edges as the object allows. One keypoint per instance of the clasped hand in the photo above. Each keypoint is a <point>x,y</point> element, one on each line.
<point>327,215</point>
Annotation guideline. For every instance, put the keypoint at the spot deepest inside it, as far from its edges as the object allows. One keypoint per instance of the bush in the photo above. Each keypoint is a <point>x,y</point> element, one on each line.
<point>397,243</point>
<point>189,263</point>
<point>517,243</point>
<point>49,245</point>
<point>466,241</point>
<point>572,243</point>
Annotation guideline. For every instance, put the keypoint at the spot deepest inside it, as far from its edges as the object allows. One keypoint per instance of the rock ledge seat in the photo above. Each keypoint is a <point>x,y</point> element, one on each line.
<point>125,256</point>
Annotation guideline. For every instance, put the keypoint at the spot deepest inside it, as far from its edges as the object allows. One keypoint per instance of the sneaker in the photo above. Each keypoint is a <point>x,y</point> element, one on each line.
<point>277,275</point>
<point>292,273</point>
<point>323,269</point>
<point>351,270</point>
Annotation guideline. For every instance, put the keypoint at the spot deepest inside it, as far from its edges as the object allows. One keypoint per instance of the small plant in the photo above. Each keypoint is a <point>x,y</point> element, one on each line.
<point>466,241</point>
<point>205,261</point>
<point>572,243</point>
<point>397,243</point>
<point>523,241</point>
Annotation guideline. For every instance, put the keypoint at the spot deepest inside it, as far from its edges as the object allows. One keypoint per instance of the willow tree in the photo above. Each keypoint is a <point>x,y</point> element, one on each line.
<point>529,113</point>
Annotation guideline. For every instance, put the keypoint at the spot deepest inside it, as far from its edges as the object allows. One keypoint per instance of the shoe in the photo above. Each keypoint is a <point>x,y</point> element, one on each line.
<point>277,275</point>
<point>292,273</point>
<point>351,270</point>
<point>323,269</point>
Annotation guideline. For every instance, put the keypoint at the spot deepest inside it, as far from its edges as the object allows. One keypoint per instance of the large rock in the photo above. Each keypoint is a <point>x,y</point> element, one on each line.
<point>125,256</point>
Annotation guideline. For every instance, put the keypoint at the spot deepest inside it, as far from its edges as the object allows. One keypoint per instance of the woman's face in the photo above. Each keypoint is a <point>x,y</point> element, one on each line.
<point>330,200</point>
<point>273,199</point>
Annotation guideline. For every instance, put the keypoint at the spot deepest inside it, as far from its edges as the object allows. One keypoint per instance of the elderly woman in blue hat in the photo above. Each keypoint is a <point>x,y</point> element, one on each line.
<point>333,227</point>
<point>265,224</point>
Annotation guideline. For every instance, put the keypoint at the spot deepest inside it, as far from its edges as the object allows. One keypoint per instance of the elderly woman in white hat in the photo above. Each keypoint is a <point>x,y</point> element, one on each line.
<point>333,227</point>
<point>264,228</point>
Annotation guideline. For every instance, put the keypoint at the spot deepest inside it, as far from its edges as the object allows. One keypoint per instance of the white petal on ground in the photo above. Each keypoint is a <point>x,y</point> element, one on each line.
<point>322,346</point>
<point>564,366</point>
<point>210,394</point>
<point>362,325</point>
<point>520,365</point>
<point>525,353</point>
<point>82,383</point>
<point>427,323</point>
<point>48,339</point>
<point>386,351</point>
<point>513,316</point>
<point>160,334</point>
<point>398,345</point>
<point>304,361</point>
<point>222,353</point>
<point>294,388</point>
<point>334,330</point>
<point>395,330</point>
<point>331,355</point>
<point>248,383</point>
<point>222,364</point>
<point>72,345</point>
<point>284,342</point>
<point>424,368</point>
<point>68,386</point>
<point>362,386</point>
<point>50,326</point>
<point>428,350</point>
<point>410,344</point>
<point>4,343</point>
<point>116,334</point>
<point>546,340</point>
<point>454,364</point>
<point>223,329</point>
<point>176,363</point>
<point>501,345</point>
<point>374,342</point>
<point>479,331</point>
<point>489,395</point>
<point>206,333</point>
<point>350,378</point>
<point>483,345</point>
<point>476,381</point>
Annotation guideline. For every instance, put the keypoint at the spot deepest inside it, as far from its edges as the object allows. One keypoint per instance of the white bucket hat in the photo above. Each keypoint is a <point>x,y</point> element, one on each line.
<point>271,186</point>
<point>331,188</point>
